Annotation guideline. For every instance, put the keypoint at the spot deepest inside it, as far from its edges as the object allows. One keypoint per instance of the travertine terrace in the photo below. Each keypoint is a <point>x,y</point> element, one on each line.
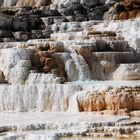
<point>69,68</point>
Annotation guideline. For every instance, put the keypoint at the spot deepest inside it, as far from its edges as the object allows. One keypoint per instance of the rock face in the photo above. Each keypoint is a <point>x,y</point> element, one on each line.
<point>79,10</point>
<point>19,3</point>
<point>15,64</point>
<point>124,9</point>
<point>59,56</point>
<point>71,52</point>
<point>75,52</point>
<point>97,9</point>
<point>131,9</point>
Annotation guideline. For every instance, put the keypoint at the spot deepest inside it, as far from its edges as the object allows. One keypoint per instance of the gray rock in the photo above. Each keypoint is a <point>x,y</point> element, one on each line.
<point>89,3</point>
<point>21,24</point>
<point>22,36</point>
<point>36,34</point>
<point>5,22</point>
<point>5,34</point>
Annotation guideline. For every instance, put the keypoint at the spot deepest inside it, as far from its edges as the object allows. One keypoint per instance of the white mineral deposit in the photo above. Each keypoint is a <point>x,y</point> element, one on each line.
<point>69,69</point>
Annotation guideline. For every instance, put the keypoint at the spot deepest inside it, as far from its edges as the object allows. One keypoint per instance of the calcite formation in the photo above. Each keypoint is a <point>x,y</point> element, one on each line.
<point>60,58</point>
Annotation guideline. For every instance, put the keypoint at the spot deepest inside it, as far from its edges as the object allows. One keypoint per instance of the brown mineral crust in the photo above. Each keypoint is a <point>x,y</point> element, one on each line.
<point>137,102</point>
<point>49,65</point>
<point>121,101</point>
<point>122,16</point>
<point>128,15</point>
<point>43,61</point>
<point>132,9</point>
<point>118,101</point>
<point>56,49</point>
<point>46,62</point>
<point>93,102</point>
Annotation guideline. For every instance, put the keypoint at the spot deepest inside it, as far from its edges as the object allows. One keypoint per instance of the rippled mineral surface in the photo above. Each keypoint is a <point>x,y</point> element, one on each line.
<point>69,69</point>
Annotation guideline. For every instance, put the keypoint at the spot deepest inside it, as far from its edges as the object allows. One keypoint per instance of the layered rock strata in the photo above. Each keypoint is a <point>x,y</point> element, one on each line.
<point>70,98</point>
<point>51,62</point>
<point>76,10</point>
<point>75,52</point>
<point>63,127</point>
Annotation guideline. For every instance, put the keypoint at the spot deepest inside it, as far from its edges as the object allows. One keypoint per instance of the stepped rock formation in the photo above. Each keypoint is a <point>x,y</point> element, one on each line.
<point>65,72</point>
<point>19,3</point>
